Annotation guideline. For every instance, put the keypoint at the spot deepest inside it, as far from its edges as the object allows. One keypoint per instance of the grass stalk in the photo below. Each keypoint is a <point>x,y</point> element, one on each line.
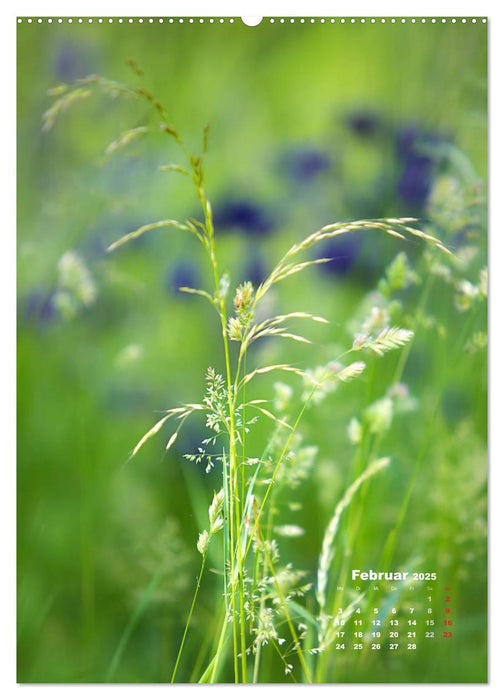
<point>189,617</point>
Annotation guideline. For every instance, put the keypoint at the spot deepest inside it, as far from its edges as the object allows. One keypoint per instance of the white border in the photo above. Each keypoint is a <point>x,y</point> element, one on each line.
<point>7,296</point>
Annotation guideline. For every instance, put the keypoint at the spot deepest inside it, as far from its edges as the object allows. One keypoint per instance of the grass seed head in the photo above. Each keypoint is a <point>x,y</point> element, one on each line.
<point>235,329</point>
<point>202,544</point>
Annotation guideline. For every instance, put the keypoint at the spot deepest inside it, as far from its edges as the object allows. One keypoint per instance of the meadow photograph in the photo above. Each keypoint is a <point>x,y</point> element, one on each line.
<point>251,350</point>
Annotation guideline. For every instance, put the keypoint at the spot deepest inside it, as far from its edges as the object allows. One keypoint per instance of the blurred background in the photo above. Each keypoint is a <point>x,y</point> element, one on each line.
<point>309,124</point>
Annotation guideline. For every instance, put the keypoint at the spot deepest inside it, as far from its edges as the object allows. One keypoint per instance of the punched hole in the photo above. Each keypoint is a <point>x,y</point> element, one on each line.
<point>251,21</point>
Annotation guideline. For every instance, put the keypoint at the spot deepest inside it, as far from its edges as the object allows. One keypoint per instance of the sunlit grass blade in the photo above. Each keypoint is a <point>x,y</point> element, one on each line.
<point>328,550</point>
<point>388,339</point>
<point>61,105</point>
<point>271,368</point>
<point>270,415</point>
<point>173,168</point>
<point>168,223</point>
<point>198,292</point>
<point>150,433</point>
<point>351,371</point>
<point>125,139</point>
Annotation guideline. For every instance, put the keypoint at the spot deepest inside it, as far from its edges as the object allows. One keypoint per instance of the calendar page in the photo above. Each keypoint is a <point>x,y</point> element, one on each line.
<point>252,349</point>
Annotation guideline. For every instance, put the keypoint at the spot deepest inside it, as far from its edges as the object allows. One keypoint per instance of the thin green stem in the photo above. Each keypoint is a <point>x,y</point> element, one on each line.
<point>283,601</point>
<point>262,603</point>
<point>181,647</point>
<point>213,666</point>
<point>275,472</point>
<point>290,624</point>
<point>287,670</point>
<point>244,433</point>
<point>403,358</point>
<point>236,576</point>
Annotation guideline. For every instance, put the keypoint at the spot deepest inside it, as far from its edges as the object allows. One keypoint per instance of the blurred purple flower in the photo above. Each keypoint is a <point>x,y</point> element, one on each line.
<point>38,308</point>
<point>364,123</point>
<point>416,150</point>
<point>72,61</point>
<point>415,182</point>
<point>306,164</point>
<point>243,215</point>
<point>183,274</point>
<point>255,270</point>
<point>343,255</point>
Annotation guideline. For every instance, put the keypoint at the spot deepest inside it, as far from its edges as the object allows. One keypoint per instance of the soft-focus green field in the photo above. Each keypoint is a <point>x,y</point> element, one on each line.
<point>310,124</point>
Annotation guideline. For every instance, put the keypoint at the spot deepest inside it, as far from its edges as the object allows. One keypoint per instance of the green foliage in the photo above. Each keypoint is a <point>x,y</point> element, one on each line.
<point>255,606</point>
